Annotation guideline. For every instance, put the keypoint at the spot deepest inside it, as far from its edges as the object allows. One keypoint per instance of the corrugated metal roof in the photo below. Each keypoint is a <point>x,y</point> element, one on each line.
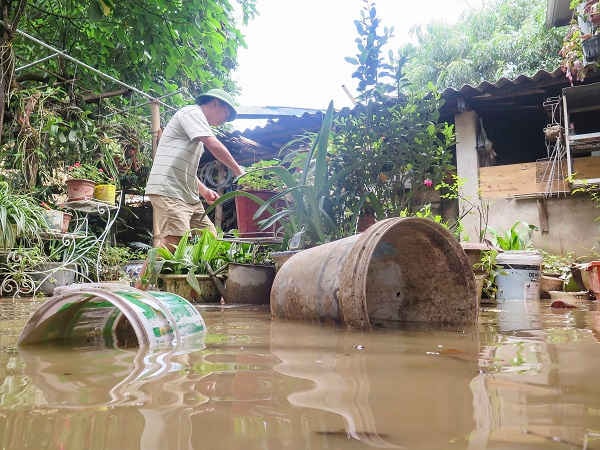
<point>542,77</point>
<point>270,112</point>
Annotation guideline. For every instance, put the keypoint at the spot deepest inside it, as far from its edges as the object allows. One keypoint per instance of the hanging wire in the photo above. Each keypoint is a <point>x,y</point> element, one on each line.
<point>90,68</point>
<point>139,105</point>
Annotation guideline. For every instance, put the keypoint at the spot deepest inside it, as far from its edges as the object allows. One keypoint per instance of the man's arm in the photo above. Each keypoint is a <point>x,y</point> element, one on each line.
<point>221,153</point>
<point>208,194</point>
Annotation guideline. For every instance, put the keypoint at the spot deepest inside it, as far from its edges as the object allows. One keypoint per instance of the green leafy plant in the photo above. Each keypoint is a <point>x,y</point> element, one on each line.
<point>20,216</point>
<point>88,172</point>
<point>22,263</point>
<point>258,178</point>
<point>558,265</point>
<point>450,189</point>
<point>391,145</point>
<point>518,237</point>
<point>112,260</point>
<point>487,266</point>
<point>190,259</point>
<point>306,216</point>
<point>246,253</point>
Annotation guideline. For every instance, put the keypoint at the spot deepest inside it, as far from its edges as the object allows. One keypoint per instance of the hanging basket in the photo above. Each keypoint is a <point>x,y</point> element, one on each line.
<point>552,132</point>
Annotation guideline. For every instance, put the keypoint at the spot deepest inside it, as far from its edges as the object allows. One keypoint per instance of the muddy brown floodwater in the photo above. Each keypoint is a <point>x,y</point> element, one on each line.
<point>526,377</point>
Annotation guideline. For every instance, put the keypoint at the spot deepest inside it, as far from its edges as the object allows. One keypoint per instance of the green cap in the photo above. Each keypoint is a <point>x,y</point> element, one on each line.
<point>225,97</point>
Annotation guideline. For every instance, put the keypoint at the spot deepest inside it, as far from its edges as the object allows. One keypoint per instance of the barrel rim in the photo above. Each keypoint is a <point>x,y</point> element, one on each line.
<point>354,272</point>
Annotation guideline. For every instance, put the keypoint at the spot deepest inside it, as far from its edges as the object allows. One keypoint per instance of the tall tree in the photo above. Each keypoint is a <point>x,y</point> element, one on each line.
<point>157,45</point>
<point>506,38</point>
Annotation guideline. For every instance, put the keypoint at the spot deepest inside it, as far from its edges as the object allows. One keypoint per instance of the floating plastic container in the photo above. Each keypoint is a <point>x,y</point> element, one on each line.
<point>398,270</point>
<point>519,275</point>
<point>113,315</point>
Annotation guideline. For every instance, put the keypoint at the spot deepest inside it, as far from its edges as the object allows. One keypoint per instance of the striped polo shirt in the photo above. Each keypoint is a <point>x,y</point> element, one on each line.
<point>175,164</point>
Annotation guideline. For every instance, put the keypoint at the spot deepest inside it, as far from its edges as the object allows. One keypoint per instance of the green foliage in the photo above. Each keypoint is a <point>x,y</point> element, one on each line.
<point>53,133</point>
<point>153,44</point>
<point>450,188</point>
<point>158,46</point>
<point>590,189</point>
<point>392,146</point>
<point>191,257</point>
<point>487,266</point>
<point>87,172</point>
<point>257,178</point>
<point>23,261</point>
<point>369,64</point>
<point>518,237</point>
<point>246,253</point>
<point>558,265</point>
<point>307,214</point>
<point>506,38</point>
<point>20,216</point>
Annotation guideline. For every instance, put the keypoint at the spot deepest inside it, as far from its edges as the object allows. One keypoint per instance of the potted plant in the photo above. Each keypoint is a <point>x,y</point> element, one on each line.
<point>20,215</point>
<point>20,270</point>
<point>250,274</point>
<point>56,220</point>
<point>485,274</point>
<point>186,271</point>
<point>261,183</point>
<point>112,261</point>
<point>82,179</point>
<point>306,219</point>
<point>105,188</point>
<point>65,261</point>
<point>519,264</point>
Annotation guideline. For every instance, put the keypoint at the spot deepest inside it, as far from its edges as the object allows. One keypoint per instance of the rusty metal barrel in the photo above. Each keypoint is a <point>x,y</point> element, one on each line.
<point>398,270</point>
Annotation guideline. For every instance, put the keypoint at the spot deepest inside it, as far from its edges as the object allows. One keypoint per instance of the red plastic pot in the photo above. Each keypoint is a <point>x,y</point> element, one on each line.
<point>245,209</point>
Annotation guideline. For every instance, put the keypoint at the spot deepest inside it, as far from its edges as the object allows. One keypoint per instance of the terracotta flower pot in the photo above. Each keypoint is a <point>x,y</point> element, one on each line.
<point>80,189</point>
<point>66,221</point>
<point>177,284</point>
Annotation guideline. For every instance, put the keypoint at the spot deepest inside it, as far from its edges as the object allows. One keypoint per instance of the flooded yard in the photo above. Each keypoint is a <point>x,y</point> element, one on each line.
<point>526,377</point>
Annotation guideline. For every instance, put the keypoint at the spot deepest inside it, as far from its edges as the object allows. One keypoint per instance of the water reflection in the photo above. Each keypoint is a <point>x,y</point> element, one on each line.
<point>368,380</point>
<point>514,382</point>
<point>537,388</point>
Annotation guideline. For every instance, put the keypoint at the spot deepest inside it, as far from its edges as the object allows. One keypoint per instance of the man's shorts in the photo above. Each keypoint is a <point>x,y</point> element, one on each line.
<point>174,217</point>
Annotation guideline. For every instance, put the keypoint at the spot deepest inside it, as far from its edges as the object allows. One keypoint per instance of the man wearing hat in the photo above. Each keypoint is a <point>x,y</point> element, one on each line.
<point>173,185</point>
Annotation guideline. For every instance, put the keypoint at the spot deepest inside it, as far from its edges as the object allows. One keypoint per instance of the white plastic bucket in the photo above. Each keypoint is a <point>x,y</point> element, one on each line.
<point>114,315</point>
<point>518,275</point>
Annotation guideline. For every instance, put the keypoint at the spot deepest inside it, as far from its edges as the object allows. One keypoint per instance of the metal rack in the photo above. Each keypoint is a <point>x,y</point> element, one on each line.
<point>578,99</point>
<point>28,283</point>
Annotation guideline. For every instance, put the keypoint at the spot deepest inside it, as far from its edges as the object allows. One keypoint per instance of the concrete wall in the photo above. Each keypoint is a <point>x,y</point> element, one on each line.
<point>571,219</point>
<point>467,168</point>
<point>571,222</point>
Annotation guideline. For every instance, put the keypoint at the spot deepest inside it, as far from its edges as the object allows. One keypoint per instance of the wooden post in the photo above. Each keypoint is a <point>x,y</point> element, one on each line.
<point>219,209</point>
<point>155,125</point>
<point>155,131</point>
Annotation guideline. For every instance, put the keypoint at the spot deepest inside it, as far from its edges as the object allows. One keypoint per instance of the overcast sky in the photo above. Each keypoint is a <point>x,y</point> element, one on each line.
<point>296,49</point>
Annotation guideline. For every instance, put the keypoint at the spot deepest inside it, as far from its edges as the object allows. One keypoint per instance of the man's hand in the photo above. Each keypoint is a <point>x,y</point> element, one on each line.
<point>208,194</point>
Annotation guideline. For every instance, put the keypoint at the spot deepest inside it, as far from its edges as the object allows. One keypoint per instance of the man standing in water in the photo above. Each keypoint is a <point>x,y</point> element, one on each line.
<point>173,186</point>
